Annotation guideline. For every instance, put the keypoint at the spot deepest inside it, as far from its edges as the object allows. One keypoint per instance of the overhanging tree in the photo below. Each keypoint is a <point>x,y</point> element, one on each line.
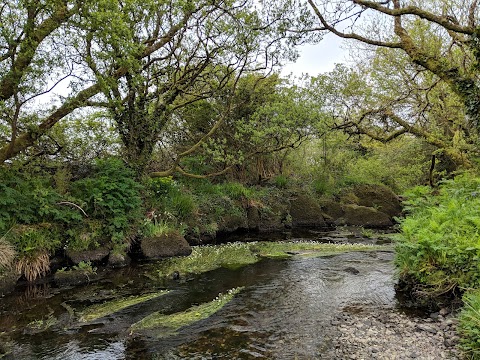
<point>429,55</point>
<point>133,58</point>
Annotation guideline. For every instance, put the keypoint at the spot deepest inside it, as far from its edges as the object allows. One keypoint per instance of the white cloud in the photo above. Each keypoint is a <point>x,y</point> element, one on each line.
<point>318,58</point>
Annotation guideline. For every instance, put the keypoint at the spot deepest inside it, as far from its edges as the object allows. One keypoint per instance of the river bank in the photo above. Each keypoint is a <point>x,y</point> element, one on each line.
<point>376,333</point>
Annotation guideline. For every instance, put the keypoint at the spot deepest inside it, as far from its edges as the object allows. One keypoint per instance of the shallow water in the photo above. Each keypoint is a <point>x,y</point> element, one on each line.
<point>283,312</point>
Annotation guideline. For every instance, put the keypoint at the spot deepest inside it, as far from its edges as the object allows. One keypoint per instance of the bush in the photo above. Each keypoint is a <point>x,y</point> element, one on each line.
<point>281,181</point>
<point>111,195</point>
<point>34,244</point>
<point>469,326</point>
<point>31,199</point>
<point>32,239</point>
<point>439,246</point>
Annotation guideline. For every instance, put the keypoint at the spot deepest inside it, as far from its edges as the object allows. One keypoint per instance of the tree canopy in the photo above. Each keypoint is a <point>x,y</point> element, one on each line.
<point>137,61</point>
<point>420,75</point>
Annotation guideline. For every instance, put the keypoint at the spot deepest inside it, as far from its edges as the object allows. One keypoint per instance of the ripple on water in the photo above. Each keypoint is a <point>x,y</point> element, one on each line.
<point>284,312</point>
<point>288,315</point>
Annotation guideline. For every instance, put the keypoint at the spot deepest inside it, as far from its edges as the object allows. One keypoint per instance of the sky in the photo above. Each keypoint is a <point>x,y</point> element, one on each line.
<point>319,58</point>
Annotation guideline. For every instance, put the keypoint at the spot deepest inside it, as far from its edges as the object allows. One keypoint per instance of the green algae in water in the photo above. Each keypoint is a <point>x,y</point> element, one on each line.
<point>237,255</point>
<point>173,322</point>
<point>287,249</point>
<point>95,312</point>
<point>209,257</point>
<point>41,325</point>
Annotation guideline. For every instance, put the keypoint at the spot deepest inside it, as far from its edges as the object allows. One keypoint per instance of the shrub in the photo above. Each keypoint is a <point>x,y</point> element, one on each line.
<point>32,239</point>
<point>281,181</point>
<point>439,245</point>
<point>111,195</point>
<point>86,236</point>
<point>31,199</point>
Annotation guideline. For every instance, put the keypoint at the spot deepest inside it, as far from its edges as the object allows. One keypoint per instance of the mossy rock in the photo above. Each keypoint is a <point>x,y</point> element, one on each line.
<point>118,260</point>
<point>74,277</point>
<point>233,222</point>
<point>96,255</point>
<point>367,217</point>
<point>331,208</point>
<point>306,212</point>
<point>165,245</point>
<point>275,214</point>
<point>379,197</point>
<point>253,218</point>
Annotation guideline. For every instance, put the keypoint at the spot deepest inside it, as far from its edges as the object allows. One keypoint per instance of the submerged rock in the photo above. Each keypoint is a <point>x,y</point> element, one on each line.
<point>165,245</point>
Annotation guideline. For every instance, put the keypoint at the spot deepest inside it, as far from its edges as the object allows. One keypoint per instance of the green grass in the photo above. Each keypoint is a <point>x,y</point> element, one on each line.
<point>235,255</point>
<point>95,312</point>
<point>173,322</point>
<point>469,326</point>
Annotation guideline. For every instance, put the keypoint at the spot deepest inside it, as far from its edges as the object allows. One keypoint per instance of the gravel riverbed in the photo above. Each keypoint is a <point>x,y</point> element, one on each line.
<point>379,333</point>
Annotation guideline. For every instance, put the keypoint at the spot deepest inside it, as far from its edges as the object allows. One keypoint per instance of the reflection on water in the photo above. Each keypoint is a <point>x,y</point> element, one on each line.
<point>284,312</point>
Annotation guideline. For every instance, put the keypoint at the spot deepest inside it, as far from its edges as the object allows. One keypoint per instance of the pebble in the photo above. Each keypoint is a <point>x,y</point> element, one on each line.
<point>380,333</point>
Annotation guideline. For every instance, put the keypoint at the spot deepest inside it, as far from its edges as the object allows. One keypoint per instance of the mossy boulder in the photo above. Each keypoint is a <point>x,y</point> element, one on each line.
<point>306,212</point>
<point>275,218</point>
<point>74,277</point>
<point>364,216</point>
<point>275,212</point>
<point>169,244</point>
<point>97,255</point>
<point>253,218</point>
<point>379,197</point>
<point>118,260</point>
<point>233,222</point>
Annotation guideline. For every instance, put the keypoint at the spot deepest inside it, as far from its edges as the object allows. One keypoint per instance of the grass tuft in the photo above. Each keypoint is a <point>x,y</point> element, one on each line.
<point>33,266</point>
<point>7,254</point>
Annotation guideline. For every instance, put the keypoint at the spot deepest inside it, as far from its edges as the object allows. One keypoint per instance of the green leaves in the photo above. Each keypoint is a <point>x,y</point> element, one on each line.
<point>440,241</point>
<point>469,326</point>
<point>111,195</point>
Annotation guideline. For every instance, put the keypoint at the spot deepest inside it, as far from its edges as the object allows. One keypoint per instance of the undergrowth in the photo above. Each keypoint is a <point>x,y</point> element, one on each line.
<point>439,245</point>
<point>469,326</point>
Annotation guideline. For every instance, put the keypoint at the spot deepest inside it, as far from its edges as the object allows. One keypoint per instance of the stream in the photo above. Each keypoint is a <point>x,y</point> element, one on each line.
<point>284,310</point>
